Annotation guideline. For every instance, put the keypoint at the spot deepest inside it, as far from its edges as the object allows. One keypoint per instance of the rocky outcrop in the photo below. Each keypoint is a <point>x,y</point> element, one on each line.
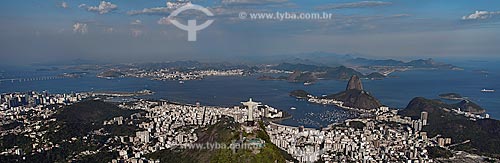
<point>469,106</point>
<point>354,96</point>
<point>357,99</point>
<point>354,83</point>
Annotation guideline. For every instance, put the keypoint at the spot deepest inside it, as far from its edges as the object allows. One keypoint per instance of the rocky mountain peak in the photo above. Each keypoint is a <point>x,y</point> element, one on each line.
<point>354,83</point>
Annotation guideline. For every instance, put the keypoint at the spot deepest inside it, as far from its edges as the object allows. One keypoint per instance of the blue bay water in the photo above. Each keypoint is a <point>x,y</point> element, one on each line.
<point>395,91</point>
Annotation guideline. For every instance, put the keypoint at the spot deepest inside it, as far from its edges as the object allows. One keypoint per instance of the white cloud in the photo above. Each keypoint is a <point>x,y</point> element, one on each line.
<point>170,7</point>
<point>80,28</point>
<point>252,2</point>
<point>362,4</point>
<point>64,5</point>
<point>481,15</point>
<point>103,8</point>
<point>176,5</point>
<point>136,22</point>
<point>164,21</point>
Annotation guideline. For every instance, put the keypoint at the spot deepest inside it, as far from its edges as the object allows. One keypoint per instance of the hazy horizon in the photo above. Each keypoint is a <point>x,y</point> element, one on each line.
<point>131,31</point>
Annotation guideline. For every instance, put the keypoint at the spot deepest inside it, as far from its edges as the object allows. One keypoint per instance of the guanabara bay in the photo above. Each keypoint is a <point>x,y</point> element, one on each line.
<point>249,81</point>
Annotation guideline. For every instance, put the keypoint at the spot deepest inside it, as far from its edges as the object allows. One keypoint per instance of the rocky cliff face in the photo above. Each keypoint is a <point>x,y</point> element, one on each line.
<point>355,96</point>
<point>354,83</point>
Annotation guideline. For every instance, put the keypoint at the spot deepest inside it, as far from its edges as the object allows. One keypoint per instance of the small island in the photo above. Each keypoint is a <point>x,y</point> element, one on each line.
<point>110,74</point>
<point>452,96</point>
<point>300,94</point>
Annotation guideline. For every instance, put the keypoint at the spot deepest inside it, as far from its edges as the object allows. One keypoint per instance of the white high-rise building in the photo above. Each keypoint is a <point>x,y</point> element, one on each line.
<point>424,116</point>
<point>143,136</point>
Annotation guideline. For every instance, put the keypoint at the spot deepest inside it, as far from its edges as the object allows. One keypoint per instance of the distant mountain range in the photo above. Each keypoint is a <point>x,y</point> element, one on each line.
<point>350,60</point>
<point>419,63</point>
<point>311,73</point>
<point>189,64</point>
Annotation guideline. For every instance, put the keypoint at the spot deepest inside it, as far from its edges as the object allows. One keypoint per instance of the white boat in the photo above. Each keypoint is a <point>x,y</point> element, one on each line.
<point>293,108</point>
<point>181,82</point>
<point>307,83</point>
<point>487,90</point>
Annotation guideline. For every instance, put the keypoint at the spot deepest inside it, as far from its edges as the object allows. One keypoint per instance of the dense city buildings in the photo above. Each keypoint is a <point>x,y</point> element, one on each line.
<point>170,74</point>
<point>162,125</point>
<point>370,139</point>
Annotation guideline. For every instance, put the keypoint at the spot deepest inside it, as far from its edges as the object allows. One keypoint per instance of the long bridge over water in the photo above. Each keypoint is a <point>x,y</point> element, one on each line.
<point>32,79</point>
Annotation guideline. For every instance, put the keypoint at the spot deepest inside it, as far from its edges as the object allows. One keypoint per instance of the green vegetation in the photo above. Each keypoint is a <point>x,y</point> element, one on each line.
<point>302,77</point>
<point>357,99</point>
<point>110,74</point>
<point>99,157</point>
<point>121,130</point>
<point>314,72</point>
<point>268,154</point>
<point>299,94</point>
<point>438,152</point>
<point>451,96</point>
<point>221,132</point>
<point>484,134</point>
<point>341,73</point>
<point>12,125</point>
<point>265,77</point>
<point>352,98</point>
<point>54,155</point>
<point>74,121</point>
<point>11,140</point>
<point>357,124</point>
<point>469,106</point>
<point>226,132</point>
<point>91,111</point>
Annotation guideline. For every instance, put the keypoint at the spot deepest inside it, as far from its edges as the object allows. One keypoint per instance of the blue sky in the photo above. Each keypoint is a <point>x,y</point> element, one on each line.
<point>131,30</point>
